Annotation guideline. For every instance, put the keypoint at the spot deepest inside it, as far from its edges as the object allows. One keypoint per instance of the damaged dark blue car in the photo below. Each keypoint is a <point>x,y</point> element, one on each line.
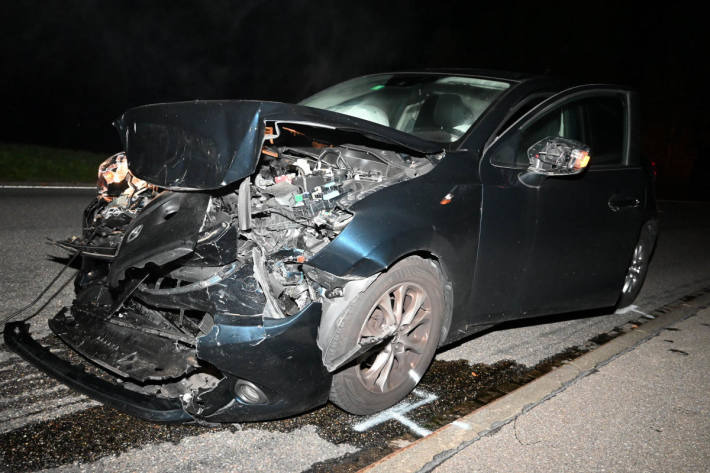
<point>252,260</point>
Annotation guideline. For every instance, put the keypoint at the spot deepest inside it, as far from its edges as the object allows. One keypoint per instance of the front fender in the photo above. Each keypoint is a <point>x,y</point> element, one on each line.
<point>402,220</point>
<point>406,219</point>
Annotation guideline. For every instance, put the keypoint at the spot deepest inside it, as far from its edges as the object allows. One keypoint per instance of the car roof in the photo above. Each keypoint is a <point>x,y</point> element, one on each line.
<point>483,73</point>
<point>534,81</point>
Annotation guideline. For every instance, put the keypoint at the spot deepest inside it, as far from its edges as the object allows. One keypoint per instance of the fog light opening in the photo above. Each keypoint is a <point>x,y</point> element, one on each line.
<point>249,393</point>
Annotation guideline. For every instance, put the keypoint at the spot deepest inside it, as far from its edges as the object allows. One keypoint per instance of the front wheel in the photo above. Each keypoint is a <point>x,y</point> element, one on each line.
<point>636,274</point>
<point>404,308</point>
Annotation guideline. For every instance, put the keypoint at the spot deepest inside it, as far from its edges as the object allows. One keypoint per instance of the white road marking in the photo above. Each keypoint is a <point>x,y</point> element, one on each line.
<point>397,413</point>
<point>47,187</point>
<point>17,397</point>
<point>23,378</point>
<point>37,409</point>
<point>43,416</point>
<point>461,425</point>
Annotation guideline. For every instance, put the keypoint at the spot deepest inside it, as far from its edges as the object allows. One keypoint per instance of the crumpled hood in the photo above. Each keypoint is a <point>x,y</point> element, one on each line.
<point>204,145</point>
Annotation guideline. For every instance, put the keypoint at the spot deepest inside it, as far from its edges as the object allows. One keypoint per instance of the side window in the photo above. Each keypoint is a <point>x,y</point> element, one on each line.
<point>528,105</point>
<point>598,122</point>
<point>605,126</point>
<point>564,122</point>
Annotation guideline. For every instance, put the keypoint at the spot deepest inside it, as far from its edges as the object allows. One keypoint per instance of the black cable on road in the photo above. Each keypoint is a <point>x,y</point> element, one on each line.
<point>9,317</point>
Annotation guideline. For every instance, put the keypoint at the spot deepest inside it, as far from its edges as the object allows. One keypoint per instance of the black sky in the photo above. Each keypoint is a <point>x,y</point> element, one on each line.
<point>71,67</point>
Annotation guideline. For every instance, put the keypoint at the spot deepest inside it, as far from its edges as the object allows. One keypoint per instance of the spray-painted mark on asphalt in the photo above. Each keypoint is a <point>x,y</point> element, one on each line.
<point>634,308</point>
<point>398,412</point>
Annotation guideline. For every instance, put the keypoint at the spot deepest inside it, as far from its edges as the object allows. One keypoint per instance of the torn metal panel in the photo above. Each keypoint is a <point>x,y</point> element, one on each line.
<point>230,290</point>
<point>334,355</point>
<point>271,308</point>
<point>217,247</point>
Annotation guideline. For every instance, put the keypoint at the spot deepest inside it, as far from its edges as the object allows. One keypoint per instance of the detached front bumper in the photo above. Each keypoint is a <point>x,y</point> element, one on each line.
<point>280,357</point>
<point>154,409</point>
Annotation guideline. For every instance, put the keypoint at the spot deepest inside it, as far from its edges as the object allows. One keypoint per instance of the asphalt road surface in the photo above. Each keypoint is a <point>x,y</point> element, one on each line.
<point>45,425</point>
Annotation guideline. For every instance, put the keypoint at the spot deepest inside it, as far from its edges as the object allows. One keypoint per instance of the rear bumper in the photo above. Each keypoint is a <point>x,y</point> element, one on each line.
<point>151,408</point>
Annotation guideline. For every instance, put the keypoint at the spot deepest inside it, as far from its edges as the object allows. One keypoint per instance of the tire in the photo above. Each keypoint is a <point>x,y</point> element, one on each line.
<point>391,370</point>
<point>638,268</point>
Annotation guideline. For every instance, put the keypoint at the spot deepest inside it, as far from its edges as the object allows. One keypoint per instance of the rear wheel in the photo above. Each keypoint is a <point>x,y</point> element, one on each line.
<point>638,268</point>
<point>404,308</point>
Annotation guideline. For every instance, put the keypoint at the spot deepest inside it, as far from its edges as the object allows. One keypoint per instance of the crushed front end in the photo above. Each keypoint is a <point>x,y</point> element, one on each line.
<point>197,302</point>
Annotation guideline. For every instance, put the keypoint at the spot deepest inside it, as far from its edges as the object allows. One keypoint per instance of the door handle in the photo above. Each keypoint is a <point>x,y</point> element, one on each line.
<point>618,202</point>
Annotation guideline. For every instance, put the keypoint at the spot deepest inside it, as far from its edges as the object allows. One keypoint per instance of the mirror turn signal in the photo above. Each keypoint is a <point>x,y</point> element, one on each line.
<point>581,158</point>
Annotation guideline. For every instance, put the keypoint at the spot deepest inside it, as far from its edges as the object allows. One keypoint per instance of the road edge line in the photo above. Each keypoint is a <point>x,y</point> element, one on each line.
<point>425,454</point>
<point>83,186</point>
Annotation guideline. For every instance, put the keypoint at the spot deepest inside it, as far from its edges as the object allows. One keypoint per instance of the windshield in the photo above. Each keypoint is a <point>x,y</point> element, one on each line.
<point>432,107</point>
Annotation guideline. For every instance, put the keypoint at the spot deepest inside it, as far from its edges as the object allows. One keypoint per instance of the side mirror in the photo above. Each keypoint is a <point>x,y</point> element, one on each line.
<point>558,157</point>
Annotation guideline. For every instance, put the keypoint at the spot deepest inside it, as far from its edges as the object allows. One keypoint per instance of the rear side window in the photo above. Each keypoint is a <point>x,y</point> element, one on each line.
<point>604,120</point>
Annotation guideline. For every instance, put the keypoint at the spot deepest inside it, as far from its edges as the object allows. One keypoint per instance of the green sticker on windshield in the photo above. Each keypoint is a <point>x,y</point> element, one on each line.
<point>377,87</point>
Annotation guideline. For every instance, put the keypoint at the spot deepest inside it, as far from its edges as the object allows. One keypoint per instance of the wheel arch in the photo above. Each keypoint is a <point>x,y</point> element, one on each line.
<point>447,285</point>
<point>334,311</point>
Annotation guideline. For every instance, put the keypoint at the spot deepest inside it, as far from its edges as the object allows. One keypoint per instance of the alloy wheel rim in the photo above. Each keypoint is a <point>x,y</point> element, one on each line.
<point>402,318</point>
<point>633,275</point>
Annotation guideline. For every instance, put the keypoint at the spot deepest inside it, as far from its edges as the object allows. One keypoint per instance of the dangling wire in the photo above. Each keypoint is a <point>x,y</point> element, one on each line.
<point>8,317</point>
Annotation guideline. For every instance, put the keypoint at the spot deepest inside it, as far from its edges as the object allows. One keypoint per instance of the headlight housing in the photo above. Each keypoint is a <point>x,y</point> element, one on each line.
<point>115,179</point>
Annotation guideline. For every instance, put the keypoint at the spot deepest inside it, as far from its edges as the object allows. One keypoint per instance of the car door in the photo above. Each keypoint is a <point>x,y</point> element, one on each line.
<point>551,244</point>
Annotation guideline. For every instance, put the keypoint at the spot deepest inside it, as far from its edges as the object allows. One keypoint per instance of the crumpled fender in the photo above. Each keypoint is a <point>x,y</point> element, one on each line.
<point>335,356</point>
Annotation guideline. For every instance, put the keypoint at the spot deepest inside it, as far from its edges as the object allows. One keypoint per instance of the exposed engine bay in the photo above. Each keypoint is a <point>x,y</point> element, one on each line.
<point>161,268</point>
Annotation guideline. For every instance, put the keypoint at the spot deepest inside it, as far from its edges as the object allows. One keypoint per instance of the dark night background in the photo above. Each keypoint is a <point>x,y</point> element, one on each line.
<point>70,67</point>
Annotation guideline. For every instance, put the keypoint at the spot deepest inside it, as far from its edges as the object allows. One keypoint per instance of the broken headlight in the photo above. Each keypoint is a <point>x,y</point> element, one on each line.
<point>116,180</point>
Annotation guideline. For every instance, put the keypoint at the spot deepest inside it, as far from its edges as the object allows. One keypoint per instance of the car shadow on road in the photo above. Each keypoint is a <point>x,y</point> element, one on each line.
<point>530,322</point>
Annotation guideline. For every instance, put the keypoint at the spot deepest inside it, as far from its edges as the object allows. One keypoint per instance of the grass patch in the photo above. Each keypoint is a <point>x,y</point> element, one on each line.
<point>30,163</point>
